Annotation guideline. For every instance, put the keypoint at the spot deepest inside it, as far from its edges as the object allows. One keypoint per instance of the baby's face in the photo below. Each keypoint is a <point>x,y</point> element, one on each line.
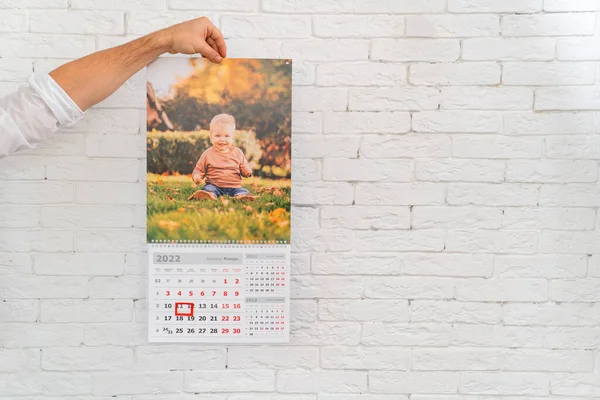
<point>222,137</point>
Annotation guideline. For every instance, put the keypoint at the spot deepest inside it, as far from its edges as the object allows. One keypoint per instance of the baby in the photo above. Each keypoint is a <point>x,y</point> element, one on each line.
<point>222,165</point>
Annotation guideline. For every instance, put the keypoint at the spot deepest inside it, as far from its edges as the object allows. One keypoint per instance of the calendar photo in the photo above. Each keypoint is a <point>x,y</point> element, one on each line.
<point>219,150</point>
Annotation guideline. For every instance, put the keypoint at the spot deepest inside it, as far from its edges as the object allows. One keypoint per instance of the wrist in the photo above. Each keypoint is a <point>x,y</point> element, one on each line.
<point>161,40</point>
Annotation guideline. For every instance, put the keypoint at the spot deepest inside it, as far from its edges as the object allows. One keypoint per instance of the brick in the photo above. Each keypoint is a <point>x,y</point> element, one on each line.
<point>457,122</point>
<point>22,168</point>
<point>19,360</point>
<point>548,74</point>
<point>120,5</point>
<point>326,333</point>
<point>15,70</point>
<point>78,264</point>
<point>507,383</point>
<point>142,21</point>
<point>133,382</point>
<point>548,360</point>
<point>304,74</point>
<point>498,336</point>
<point>399,6</point>
<point>313,146</point>
<point>579,290</point>
<point>303,381</point>
<point>497,147</point>
<point>455,359</point>
<point>300,263</point>
<point>254,48</point>
<point>305,217</point>
<point>452,26</point>
<point>77,22</point>
<point>437,170</point>
<point>444,264</point>
<point>19,217</point>
<point>361,217</point>
<point>570,384</point>
<point>363,310</point>
<point>502,290</point>
<point>310,286</point>
<point>549,314</point>
<point>110,121</point>
<point>366,122</point>
<point>103,193</point>
<point>568,5</point>
<point>364,396</point>
<point>123,287</point>
<point>579,24</point>
<point>306,123</point>
<point>265,26</point>
<point>409,145</point>
<point>453,312</point>
<point>540,266</point>
<point>319,99</point>
<point>87,217</point>
<point>502,242</point>
<point>5,4</point>
<point>361,74</point>
<point>456,217</point>
<point>14,21</point>
<point>400,194</point>
<point>31,286</point>
<point>573,338</point>
<point>427,240</point>
<point>409,288</point>
<point>492,6</point>
<point>567,98</point>
<point>105,241</point>
<point>86,359</point>
<point>368,170</point>
<point>18,311</point>
<point>570,195</point>
<point>47,383</point>
<point>505,194</point>
<point>555,171</point>
<point>372,358</point>
<point>445,74</point>
<point>351,264</point>
<point>331,193</point>
<point>36,240</point>
<point>550,218</point>
<point>433,50</point>
<point>225,5</point>
<point>179,357</point>
<point>358,26</point>
<point>573,147</point>
<point>394,99</point>
<point>413,382</point>
<point>115,334</point>
<point>548,124</point>
<point>118,146</point>
<point>11,263</point>
<point>323,240</point>
<point>385,334</point>
<point>578,49</point>
<point>260,380</point>
<point>595,266</point>
<point>306,6</point>
<point>303,311</point>
<point>509,49</point>
<point>326,50</point>
<point>87,310</point>
<point>57,145</point>
<point>24,335</point>
<point>241,357</point>
<point>25,45</point>
<point>306,170</point>
<point>458,98</point>
<point>127,96</point>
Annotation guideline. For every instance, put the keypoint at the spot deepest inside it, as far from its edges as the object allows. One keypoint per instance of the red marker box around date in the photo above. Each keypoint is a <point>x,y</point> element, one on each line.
<point>184,309</point>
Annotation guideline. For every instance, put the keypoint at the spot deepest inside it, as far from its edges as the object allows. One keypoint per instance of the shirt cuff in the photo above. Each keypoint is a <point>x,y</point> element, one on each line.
<point>66,111</point>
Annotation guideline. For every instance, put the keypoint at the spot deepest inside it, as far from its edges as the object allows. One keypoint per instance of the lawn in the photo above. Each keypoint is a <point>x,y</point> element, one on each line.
<point>170,216</point>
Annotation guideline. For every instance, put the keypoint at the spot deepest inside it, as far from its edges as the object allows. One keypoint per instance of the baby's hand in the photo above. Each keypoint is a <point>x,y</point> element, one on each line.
<point>197,179</point>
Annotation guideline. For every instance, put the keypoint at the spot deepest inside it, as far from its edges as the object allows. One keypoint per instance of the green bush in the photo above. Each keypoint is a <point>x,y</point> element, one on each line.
<point>178,152</point>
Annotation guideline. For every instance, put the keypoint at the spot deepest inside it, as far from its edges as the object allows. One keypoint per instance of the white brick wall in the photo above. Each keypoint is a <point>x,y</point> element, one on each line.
<point>446,242</point>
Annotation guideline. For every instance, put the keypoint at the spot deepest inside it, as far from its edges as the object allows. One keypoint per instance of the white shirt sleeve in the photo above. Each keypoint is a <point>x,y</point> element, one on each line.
<point>33,113</point>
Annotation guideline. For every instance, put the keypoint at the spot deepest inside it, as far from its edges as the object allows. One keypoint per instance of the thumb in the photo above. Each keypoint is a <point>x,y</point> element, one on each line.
<point>208,52</point>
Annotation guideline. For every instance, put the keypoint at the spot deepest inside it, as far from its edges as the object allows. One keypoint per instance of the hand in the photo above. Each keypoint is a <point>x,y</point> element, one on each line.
<point>196,36</point>
<point>197,180</point>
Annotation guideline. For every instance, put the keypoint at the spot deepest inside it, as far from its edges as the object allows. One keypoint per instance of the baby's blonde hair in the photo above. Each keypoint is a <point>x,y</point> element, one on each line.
<point>222,119</point>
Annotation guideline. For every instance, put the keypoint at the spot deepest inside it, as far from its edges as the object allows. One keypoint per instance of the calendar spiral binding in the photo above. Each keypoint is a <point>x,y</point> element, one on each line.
<point>219,243</point>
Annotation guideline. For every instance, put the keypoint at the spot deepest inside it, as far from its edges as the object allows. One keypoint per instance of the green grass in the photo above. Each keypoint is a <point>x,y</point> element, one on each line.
<point>170,216</point>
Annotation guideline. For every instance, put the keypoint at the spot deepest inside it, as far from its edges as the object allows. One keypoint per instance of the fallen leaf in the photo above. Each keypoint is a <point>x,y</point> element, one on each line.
<point>249,208</point>
<point>169,198</point>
